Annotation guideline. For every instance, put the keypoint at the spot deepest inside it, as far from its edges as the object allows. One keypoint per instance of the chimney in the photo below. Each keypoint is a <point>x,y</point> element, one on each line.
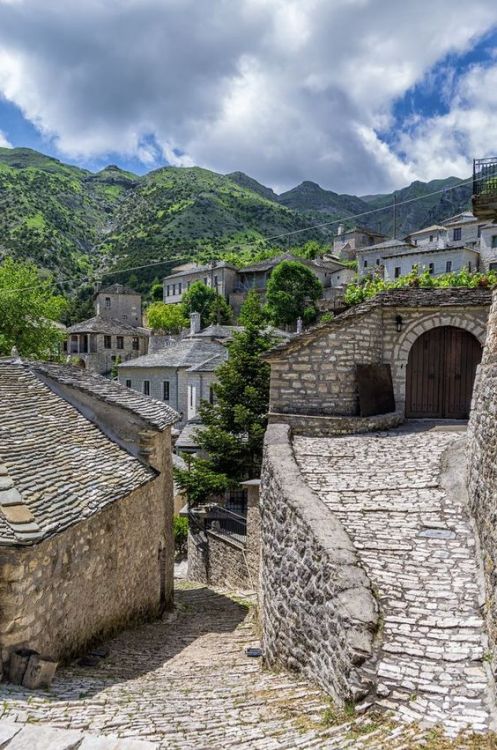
<point>194,323</point>
<point>299,325</point>
<point>340,229</point>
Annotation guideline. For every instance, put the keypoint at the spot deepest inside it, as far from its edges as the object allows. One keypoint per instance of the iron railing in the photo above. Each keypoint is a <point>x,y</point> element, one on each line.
<point>224,521</point>
<point>485,176</point>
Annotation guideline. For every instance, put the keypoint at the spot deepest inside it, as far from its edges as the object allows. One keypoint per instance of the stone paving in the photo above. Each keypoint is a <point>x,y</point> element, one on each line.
<point>399,496</point>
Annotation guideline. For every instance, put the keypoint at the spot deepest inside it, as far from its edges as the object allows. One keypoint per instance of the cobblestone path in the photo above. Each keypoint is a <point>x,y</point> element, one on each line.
<point>398,497</point>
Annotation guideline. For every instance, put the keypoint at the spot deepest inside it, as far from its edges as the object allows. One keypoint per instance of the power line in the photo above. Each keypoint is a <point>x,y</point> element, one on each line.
<point>264,239</point>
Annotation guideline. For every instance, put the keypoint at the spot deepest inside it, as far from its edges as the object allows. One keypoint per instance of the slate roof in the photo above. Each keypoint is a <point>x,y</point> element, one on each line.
<point>56,467</point>
<point>408,297</point>
<point>432,228</point>
<point>388,244</point>
<point>207,268</point>
<point>266,265</point>
<point>186,353</point>
<point>218,332</point>
<point>188,439</point>
<point>432,247</point>
<point>109,326</point>
<point>211,364</point>
<point>155,413</point>
<point>118,289</point>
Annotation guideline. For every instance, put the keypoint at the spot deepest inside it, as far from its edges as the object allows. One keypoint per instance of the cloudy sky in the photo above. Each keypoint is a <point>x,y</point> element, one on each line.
<point>359,95</point>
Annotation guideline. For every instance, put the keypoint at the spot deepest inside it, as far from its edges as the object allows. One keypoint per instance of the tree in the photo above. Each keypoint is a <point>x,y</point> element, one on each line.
<point>251,311</point>
<point>157,290</point>
<point>292,293</point>
<point>206,301</point>
<point>233,427</point>
<point>166,318</point>
<point>29,310</point>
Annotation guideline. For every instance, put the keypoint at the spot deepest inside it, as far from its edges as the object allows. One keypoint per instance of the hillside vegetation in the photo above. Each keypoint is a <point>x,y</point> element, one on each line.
<point>74,222</point>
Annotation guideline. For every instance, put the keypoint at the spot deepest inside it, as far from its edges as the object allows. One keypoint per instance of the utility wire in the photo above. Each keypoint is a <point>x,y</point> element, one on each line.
<point>89,280</point>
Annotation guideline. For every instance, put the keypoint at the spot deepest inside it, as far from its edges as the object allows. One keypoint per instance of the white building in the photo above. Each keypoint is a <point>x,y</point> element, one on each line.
<point>219,275</point>
<point>459,242</point>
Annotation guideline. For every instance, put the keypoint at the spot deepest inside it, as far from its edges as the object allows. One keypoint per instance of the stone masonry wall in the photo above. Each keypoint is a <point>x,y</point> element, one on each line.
<point>97,576</point>
<point>317,608</point>
<point>318,378</point>
<point>482,467</point>
<point>222,562</point>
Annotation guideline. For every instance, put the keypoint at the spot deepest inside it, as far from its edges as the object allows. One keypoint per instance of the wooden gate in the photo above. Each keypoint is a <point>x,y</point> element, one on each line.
<point>440,374</point>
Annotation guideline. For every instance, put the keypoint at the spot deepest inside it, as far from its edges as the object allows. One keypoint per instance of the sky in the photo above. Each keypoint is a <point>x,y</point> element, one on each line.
<point>361,96</point>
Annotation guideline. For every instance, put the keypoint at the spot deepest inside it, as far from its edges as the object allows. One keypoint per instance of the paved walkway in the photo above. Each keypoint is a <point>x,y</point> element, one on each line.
<point>399,497</point>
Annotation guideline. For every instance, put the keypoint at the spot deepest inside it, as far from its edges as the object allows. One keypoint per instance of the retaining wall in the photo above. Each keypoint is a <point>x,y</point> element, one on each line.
<point>317,607</point>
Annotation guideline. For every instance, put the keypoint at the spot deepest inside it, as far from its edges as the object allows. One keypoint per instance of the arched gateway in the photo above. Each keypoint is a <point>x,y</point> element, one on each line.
<point>440,373</point>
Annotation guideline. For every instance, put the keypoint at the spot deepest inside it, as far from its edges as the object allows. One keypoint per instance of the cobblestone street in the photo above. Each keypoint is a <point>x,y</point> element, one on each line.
<point>399,498</point>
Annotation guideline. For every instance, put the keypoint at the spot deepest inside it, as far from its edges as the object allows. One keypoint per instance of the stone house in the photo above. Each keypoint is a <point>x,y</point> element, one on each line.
<point>86,501</point>
<point>219,275</point>
<point>180,375</point>
<point>348,242</point>
<point>114,335</point>
<point>429,340</point>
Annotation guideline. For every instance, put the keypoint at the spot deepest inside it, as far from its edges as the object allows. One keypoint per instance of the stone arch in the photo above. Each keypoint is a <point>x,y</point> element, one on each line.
<point>416,328</point>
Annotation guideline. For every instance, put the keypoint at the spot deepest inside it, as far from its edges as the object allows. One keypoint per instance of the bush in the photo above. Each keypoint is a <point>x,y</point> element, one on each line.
<point>180,529</point>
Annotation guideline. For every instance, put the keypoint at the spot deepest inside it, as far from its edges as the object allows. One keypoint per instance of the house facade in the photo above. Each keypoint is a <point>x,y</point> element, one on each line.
<point>86,502</point>
<point>114,335</point>
<point>347,242</point>
<point>218,275</point>
<point>428,341</point>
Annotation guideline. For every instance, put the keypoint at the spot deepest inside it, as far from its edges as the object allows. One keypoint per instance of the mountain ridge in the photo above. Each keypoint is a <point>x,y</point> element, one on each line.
<point>67,218</point>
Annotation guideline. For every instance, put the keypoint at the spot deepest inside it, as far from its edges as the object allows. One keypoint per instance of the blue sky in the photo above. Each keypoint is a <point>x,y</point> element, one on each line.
<point>359,95</point>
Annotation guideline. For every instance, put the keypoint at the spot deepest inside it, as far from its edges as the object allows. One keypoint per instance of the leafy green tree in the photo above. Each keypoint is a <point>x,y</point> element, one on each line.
<point>200,482</point>
<point>292,293</point>
<point>203,299</point>
<point>233,426</point>
<point>157,290</point>
<point>251,312</point>
<point>29,310</point>
<point>167,318</point>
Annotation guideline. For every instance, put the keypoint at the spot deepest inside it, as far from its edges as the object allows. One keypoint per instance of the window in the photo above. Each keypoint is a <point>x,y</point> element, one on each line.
<point>494,240</point>
<point>125,317</point>
<point>179,287</point>
<point>136,343</point>
<point>128,384</point>
<point>431,238</point>
<point>107,302</point>
<point>188,284</point>
<point>431,268</point>
<point>448,266</point>
<point>107,342</point>
<point>120,342</point>
<point>365,264</point>
<point>174,289</point>
<point>165,390</point>
<point>470,268</point>
<point>492,266</point>
<point>377,261</point>
<point>457,234</point>
<point>211,395</point>
<point>415,242</point>
<point>216,281</point>
<point>206,280</point>
<point>146,387</point>
<point>397,272</point>
<point>168,290</point>
<point>480,227</point>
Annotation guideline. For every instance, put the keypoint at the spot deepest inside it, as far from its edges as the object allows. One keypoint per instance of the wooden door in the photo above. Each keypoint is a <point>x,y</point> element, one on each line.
<point>440,374</point>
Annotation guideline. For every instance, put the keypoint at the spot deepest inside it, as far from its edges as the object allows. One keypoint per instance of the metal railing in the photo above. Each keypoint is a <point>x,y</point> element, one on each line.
<point>485,176</point>
<point>224,521</point>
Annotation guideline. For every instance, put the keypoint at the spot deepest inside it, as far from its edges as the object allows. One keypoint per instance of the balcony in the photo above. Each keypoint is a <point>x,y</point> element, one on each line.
<point>485,189</point>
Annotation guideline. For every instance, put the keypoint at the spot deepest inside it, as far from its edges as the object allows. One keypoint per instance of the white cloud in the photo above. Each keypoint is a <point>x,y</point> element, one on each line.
<point>4,143</point>
<point>285,90</point>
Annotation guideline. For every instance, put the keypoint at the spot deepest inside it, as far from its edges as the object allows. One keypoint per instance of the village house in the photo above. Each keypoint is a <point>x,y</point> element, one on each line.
<point>461,242</point>
<point>218,275</point>
<point>114,335</point>
<point>407,352</point>
<point>86,503</point>
<point>347,242</point>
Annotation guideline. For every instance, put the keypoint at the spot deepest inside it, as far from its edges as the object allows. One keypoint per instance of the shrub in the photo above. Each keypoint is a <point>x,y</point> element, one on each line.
<point>180,529</point>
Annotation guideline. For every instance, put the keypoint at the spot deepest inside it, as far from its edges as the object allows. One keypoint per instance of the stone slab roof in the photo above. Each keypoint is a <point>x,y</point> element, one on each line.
<point>408,297</point>
<point>218,332</point>
<point>109,326</point>
<point>208,268</point>
<point>155,413</point>
<point>56,467</point>
<point>118,289</point>
<point>431,247</point>
<point>185,353</point>
<point>266,265</point>
<point>188,439</point>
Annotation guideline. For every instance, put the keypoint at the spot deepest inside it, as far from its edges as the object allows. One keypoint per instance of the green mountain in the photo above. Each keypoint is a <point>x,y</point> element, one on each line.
<point>74,222</point>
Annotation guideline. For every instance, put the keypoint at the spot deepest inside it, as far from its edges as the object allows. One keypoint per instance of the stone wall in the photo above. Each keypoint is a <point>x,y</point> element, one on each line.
<point>482,466</point>
<point>317,377</point>
<point>222,561</point>
<point>97,576</point>
<point>317,607</point>
<point>327,426</point>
